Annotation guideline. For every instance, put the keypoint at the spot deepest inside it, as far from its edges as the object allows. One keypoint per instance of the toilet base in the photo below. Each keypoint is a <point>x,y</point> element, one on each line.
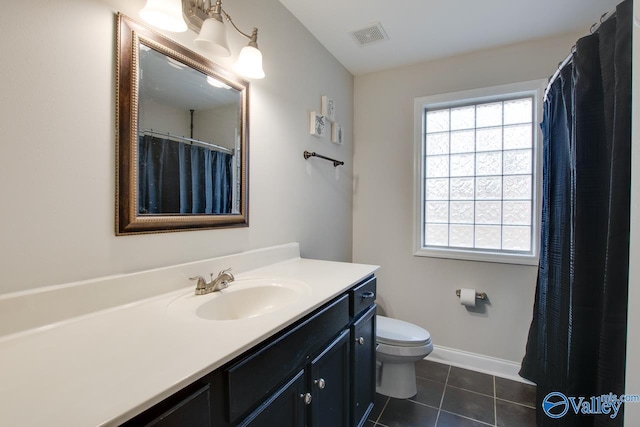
<point>396,379</point>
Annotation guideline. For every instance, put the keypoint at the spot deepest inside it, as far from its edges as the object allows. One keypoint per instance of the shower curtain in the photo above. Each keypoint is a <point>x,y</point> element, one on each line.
<point>577,339</point>
<point>175,177</point>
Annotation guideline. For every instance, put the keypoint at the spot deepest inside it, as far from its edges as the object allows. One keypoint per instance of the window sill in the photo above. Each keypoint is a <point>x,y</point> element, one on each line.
<point>459,254</point>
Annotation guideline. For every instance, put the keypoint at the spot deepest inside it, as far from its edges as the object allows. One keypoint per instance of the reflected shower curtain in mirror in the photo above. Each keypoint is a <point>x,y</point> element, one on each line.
<point>176,177</point>
<point>577,339</point>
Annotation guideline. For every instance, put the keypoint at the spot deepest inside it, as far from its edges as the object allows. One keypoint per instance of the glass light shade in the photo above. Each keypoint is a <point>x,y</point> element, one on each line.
<point>164,14</point>
<point>249,63</point>
<point>213,38</point>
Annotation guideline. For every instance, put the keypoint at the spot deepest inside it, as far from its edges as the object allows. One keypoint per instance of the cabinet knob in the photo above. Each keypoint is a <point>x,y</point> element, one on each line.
<point>360,340</point>
<point>321,383</point>
<point>366,295</point>
<point>306,397</point>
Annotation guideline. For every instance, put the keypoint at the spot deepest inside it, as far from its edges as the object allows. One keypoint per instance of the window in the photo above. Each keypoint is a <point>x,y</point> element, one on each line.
<point>476,174</point>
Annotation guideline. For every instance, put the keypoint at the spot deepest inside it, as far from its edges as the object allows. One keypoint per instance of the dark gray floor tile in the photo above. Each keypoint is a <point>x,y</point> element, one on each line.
<point>514,415</point>
<point>446,419</point>
<point>516,392</point>
<point>433,371</point>
<point>429,392</point>
<point>471,380</point>
<point>469,404</point>
<point>405,413</point>
<point>378,405</point>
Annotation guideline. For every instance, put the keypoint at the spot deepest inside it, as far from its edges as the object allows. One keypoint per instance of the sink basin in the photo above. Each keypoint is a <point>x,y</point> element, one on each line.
<point>243,299</point>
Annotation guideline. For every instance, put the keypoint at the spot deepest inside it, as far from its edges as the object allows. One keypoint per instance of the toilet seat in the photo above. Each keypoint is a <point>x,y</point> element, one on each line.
<point>394,332</point>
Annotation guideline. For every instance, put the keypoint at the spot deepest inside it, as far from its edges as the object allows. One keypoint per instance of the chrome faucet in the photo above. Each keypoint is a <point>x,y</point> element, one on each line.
<point>219,283</point>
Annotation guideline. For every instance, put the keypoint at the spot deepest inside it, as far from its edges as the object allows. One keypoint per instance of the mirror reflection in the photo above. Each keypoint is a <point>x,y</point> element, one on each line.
<point>189,128</point>
<point>181,141</point>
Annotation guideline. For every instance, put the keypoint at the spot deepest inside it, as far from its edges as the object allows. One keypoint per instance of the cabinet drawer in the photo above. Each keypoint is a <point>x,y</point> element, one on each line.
<point>362,296</point>
<point>187,407</point>
<point>255,377</point>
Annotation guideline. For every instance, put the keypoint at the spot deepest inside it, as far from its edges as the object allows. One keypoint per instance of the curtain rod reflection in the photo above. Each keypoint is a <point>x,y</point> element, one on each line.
<point>193,141</point>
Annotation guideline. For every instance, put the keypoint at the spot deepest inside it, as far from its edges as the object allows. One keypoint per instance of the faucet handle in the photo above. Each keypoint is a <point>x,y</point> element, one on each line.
<point>226,270</point>
<point>201,282</point>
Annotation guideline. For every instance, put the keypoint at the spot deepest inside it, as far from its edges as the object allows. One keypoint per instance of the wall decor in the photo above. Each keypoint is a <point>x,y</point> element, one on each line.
<point>336,133</point>
<point>328,107</point>
<point>318,124</point>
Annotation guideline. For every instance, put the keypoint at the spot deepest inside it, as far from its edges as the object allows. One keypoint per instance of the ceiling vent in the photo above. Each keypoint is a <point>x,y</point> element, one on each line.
<point>369,35</point>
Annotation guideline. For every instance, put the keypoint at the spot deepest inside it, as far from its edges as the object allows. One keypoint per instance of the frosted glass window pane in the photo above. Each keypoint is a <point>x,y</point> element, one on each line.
<point>461,213</point>
<point>478,168</point>
<point>489,188</point>
<point>462,164</point>
<point>436,235</point>
<point>489,139</point>
<point>488,213</point>
<point>487,236</point>
<point>438,143</point>
<point>489,163</point>
<point>437,212</point>
<point>462,188</point>
<point>516,238</point>
<point>517,162</point>
<point>437,189</point>
<point>517,213</point>
<point>517,137</point>
<point>437,166</point>
<point>437,121</point>
<point>518,111</point>
<point>517,187</point>
<point>489,115</point>
<point>463,141</point>
<point>463,118</point>
<point>461,236</point>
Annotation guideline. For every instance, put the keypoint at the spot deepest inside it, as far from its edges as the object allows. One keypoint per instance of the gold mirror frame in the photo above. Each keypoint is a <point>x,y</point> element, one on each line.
<point>128,220</point>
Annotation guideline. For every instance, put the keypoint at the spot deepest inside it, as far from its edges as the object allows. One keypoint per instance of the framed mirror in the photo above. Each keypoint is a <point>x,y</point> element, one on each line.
<point>181,139</point>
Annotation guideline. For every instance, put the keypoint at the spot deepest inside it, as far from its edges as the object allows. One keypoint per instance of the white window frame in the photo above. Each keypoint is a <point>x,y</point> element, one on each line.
<point>534,89</point>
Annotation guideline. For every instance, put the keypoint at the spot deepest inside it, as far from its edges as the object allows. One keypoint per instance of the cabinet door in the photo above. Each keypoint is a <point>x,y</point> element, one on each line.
<point>364,364</point>
<point>286,408</point>
<point>330,384</point>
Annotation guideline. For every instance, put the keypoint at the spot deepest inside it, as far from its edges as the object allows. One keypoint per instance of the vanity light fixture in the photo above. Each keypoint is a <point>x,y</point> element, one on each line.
<point>164,14</point>
<point>207,19</point>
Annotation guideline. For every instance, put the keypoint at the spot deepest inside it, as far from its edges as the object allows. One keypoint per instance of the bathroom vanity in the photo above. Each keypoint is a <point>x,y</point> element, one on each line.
<point>291,342</point>
<point>317,372</point>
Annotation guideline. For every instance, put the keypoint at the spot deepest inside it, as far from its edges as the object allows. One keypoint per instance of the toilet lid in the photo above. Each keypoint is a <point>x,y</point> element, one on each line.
<point>400,333</point>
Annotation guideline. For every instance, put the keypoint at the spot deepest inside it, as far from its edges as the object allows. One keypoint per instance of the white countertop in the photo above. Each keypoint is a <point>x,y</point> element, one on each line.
<point>105,367</point>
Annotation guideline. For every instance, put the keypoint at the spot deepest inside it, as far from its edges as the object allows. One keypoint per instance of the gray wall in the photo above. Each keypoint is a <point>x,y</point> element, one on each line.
<point>420,289</point>
<point>632,410</point>
<point>57,157</point>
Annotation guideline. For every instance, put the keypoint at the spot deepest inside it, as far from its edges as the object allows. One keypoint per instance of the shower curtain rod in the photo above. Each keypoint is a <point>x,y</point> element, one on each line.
<point>197,142</point>
<point>594,28</point>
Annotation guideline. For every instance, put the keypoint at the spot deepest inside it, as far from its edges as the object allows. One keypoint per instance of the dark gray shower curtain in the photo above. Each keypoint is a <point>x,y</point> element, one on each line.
<point>175,177</point>
<point>577,339</point>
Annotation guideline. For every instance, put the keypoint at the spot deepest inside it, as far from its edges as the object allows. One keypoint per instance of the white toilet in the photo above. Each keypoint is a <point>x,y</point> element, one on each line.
<point>400,345</point>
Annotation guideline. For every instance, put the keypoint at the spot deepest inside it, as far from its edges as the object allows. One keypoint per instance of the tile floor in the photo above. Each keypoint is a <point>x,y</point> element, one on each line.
<point>454,397</point>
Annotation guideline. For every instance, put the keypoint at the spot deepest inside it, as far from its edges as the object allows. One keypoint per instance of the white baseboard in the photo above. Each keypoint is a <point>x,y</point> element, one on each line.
<point>477,362</point>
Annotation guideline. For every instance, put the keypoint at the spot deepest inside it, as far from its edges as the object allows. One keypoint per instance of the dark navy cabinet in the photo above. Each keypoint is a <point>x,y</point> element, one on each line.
<point>318,372</point>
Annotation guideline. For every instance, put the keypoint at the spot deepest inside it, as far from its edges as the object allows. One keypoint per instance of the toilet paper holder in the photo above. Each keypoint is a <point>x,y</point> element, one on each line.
<point>479,295</point>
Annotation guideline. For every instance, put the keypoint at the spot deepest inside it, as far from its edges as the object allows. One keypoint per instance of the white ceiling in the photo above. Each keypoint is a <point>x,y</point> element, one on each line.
<point>420,30</point>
